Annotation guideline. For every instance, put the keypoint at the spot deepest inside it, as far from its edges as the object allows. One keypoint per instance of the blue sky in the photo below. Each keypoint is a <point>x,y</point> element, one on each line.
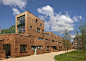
<point>57,14</point>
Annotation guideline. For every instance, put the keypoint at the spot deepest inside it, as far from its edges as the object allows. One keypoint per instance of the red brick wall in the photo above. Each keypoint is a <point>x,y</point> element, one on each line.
<point>2,53</point>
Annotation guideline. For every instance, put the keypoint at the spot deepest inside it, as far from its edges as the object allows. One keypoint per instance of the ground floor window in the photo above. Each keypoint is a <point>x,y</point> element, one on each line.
<point>36,47</point>
<point>23,48</point>
<point>47,47</point>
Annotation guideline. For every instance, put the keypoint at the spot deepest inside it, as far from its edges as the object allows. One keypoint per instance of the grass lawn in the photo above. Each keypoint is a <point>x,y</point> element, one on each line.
<point>72,56</point>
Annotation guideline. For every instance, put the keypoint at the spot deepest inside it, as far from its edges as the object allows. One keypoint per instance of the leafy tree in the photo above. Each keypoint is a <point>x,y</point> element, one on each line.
<point>82,31</point>
<point>9,30</point>
<point>66,40</point>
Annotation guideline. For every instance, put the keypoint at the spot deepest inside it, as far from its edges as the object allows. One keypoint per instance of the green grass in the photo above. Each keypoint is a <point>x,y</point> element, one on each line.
<point>72,56</point>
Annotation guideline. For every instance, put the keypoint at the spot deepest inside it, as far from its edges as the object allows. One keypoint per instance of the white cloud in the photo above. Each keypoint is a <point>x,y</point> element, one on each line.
<point>47,10</point>
<point>56,22</point>
<point>15,11</point>
<point>72,36</point>
<point>76,18</point>
<point>20,3</point>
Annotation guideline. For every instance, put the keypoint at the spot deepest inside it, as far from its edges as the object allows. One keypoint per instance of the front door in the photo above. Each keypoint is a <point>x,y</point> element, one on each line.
<point>7,48</point>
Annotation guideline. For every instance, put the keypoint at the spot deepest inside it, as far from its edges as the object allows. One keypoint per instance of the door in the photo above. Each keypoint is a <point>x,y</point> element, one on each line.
<point>7,48</point>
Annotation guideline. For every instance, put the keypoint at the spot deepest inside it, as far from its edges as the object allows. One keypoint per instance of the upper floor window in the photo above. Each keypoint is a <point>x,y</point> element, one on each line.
<point>46,39</point>
<point>36,21</point>
<point>40,38</point>
<point>30,27</point>
<point>21,29</point>
<point>59,42</point>
<point>42,31</point>
<point>21,19</point>
<point>53,41</point>
<point>40,24</point>
<point>21,24</point>
<point>38,30</point>
<point>47,34</point>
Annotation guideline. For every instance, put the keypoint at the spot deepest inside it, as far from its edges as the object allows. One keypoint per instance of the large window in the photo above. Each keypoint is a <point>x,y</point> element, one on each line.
<point>21,24</point>
<point>21,19</point>
<point>23,48</point>
<point>38,30</point>
<point>21,29</point>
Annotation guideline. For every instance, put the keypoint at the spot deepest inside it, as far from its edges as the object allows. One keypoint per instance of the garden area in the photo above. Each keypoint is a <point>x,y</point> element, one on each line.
<point>72,56</point>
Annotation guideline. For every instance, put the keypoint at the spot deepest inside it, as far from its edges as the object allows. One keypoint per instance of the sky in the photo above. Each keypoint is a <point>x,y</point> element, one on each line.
<point>56,14</point>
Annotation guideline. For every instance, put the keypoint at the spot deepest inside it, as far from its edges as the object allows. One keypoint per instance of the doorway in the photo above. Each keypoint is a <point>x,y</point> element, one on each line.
<point>7,48</point>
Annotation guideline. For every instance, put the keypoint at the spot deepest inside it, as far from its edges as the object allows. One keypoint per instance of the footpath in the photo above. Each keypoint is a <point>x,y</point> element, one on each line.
<point>39,57</point>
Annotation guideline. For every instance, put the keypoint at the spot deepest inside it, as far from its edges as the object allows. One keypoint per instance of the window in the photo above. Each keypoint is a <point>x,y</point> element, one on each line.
<point>59,42</point>
<point>38,30</point>
<point>21,29</point>
<point>40,24</point>
<point>32,47</point>
<point>36,21</point>
<point>30,27</point>
<point>47,34</point>
<point>40,38</point>
<point>23,48</point>
<point>39,47</point>
<point>61,47</point>
<point>46,39</point>
<point>55,36</point>
<point>47,47</point>
<point>21,19</point>
<point>21,24</point>
<point>42,33</point>
<point>53,41</point>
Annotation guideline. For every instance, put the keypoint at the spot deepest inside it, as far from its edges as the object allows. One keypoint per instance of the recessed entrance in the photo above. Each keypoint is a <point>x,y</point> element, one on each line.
<point>7,48</point>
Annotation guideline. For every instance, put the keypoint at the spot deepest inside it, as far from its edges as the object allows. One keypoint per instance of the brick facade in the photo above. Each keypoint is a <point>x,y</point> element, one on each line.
<point>34,39</point>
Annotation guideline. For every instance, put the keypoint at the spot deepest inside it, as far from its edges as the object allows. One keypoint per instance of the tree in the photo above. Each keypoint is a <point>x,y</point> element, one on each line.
<point>66,40</point>
<point>82,31</point>
<point>9,30</point>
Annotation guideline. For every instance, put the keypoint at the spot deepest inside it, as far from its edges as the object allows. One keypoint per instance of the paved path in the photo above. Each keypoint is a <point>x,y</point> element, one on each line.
<point>39,57</point>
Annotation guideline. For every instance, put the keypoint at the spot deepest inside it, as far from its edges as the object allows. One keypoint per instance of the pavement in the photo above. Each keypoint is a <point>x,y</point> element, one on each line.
<point>39,57</point>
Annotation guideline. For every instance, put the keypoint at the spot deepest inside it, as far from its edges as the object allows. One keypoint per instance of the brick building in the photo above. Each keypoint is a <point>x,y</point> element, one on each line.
<point>78,42</point>
<point>29,38</point>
